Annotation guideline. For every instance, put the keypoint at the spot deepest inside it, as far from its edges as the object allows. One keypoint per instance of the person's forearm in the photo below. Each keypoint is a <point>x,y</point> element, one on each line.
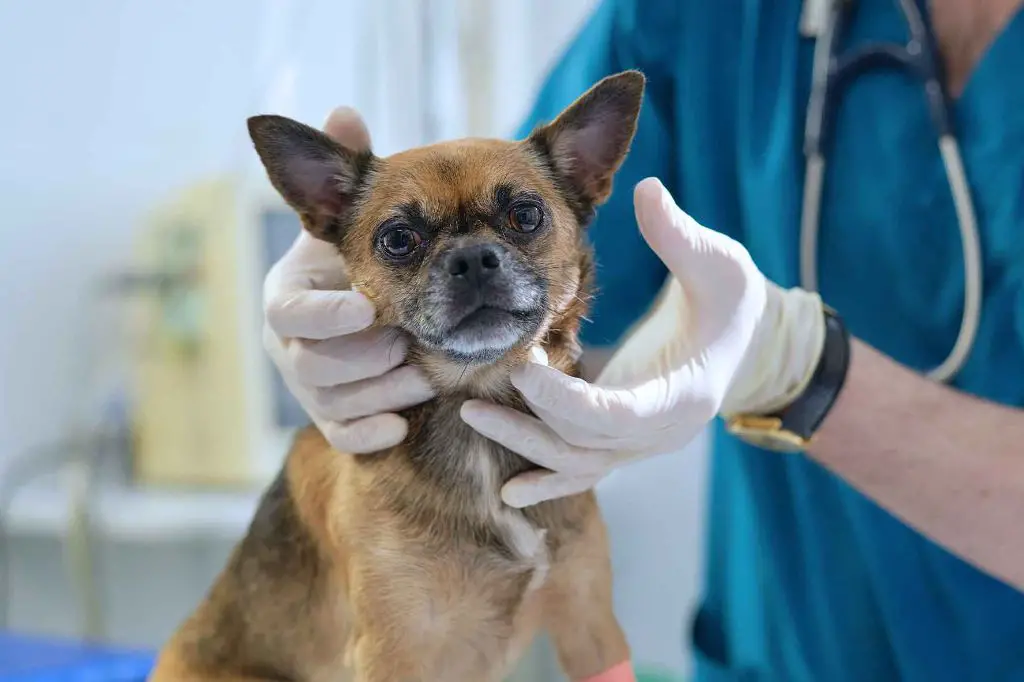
<point>948,464</point>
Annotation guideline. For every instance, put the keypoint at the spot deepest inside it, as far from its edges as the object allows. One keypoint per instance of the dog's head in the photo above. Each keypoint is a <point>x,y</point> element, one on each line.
<point>474,247</point>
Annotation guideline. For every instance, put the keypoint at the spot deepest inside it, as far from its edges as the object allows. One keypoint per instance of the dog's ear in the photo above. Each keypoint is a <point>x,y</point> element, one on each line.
<point>588,141</point>
<point>318,177</point>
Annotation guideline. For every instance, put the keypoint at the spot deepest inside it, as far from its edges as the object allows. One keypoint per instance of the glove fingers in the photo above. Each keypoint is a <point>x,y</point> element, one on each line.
<point>716,272</point>
<point>597,434</point>
<point>534,487</point>
<point>348,129</point>
<point>318,314</point>
<point>703,260</point>
<point>611,451</point>
<point>306,293</point>
<point>367,435</point>
<point>396,390</point>
<point>535,440</point>
<point>525,435</point>
<point>345,359</point>
<point>573,399</point>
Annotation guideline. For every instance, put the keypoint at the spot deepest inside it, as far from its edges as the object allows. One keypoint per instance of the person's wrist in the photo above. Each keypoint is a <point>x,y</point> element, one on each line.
<point>783,355</point>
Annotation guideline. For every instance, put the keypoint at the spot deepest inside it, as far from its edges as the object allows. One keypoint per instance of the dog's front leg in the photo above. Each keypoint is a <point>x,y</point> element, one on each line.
<point>368,661</point>
<point>578,615</point>
<point>379,649</point>
<point>374,660</point>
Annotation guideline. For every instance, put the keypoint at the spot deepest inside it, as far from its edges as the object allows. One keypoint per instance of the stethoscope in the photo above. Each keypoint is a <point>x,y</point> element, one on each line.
<point>826,20</point>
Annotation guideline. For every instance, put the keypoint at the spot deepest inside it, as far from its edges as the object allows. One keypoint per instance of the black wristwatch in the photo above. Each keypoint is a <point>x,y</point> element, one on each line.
<point>791,428</point>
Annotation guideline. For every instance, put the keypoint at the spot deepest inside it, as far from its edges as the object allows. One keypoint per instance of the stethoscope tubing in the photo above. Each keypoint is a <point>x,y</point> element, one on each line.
<point>828,75</point>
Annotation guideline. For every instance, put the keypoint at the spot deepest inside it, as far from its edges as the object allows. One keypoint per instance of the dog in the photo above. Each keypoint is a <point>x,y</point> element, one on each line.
<point>406,565</point>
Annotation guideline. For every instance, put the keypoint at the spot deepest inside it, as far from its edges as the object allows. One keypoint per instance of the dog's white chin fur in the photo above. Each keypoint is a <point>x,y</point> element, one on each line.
<point>485,342</point>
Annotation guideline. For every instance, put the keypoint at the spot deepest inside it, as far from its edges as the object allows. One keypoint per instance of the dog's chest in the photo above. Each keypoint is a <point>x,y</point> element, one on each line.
<point>525,541</point>
<point>473,469</point>
<point>476,565</point>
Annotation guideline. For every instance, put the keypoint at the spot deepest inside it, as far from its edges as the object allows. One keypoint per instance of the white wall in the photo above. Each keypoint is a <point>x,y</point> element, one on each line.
<point>110,105</point>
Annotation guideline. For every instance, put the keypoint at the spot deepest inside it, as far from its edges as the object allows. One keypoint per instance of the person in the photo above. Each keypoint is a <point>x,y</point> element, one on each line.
<point>886,548</point>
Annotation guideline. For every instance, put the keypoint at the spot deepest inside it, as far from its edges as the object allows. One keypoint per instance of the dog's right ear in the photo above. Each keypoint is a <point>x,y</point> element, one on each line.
<point>589,140</point>
<point>318,177</point>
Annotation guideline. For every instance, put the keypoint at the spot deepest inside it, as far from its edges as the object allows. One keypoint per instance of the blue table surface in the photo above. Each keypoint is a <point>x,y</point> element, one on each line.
<point>37,659</point>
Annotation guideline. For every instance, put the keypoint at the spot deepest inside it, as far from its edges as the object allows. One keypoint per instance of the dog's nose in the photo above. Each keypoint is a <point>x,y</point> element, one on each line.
<point>474,264</point>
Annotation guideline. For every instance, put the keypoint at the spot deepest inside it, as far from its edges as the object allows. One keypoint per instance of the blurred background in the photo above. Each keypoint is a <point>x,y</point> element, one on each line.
<point>139,417</point>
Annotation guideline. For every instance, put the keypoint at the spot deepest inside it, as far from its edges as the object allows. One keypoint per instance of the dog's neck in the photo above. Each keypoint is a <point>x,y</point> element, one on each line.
<point>445,452</point>
<point>447,476</point>
<point>460,381</point>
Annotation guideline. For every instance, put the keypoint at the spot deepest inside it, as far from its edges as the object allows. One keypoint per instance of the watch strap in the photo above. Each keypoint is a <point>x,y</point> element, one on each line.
<point>791,428</point>
<point>804,415</point>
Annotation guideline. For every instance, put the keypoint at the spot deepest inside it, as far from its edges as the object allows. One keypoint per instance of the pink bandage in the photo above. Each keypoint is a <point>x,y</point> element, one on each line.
<point>623,672</point>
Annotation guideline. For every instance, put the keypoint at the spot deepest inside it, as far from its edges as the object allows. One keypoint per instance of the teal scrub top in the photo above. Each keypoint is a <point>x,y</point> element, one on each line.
<point>805,578</point>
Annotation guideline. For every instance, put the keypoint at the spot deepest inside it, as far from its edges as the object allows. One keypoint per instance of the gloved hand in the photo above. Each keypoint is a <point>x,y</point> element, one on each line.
<point>720,339</point>
<point>349,379</point>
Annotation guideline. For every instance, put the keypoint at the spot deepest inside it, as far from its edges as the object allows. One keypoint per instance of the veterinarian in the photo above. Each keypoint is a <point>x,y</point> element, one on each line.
<point>865,510</point>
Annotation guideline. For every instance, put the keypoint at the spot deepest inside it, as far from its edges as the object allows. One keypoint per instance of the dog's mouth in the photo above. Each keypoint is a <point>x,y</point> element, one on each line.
<point>487,332</point>
<point>490,317</point>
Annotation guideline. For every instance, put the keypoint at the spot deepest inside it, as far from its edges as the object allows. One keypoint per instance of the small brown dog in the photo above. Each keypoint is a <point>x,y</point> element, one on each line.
<point>405,565</point>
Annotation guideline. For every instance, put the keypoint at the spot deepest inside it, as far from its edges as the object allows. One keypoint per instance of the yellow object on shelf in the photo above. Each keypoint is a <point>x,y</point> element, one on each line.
<point>193,396</point>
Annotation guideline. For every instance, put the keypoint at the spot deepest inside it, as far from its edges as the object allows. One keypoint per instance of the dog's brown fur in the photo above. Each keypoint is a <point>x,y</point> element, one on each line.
<point>406,565</point>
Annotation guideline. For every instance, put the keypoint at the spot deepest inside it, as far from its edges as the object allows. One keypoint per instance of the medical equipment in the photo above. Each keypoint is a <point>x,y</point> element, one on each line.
<point>827,20</point>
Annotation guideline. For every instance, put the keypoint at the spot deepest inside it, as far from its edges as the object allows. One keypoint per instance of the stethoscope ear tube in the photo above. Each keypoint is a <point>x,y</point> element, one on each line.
<point>822,80</point>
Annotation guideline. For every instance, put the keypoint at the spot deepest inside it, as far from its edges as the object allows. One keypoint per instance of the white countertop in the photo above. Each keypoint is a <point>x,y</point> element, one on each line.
<point>134,512</point>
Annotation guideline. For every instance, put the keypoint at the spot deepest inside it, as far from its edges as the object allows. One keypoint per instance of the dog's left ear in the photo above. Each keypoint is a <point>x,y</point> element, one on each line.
<point>588,141</point>
<point>318,177</point>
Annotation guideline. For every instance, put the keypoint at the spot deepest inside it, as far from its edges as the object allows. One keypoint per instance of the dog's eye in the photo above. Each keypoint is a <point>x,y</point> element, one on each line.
<point>525,218</point>
<point>399,242</point>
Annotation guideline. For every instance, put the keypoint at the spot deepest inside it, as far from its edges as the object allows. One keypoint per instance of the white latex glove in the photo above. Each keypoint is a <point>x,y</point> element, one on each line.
<point>347,377</point>
<point>720,339</point>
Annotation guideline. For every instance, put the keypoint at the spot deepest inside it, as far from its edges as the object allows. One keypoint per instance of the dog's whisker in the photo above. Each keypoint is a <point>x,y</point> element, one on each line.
<point>465,368</point>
